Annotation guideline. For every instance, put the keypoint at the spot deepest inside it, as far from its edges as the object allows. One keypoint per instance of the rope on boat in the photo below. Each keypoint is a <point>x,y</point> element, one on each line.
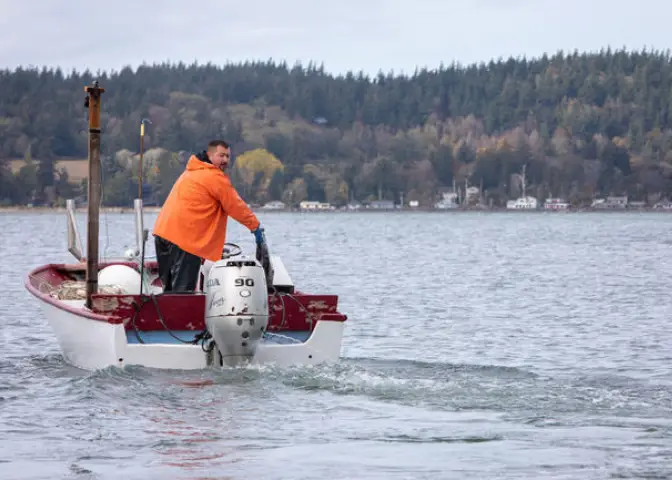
<point>281,295</point>
<point>152,298</point>
<point>204,335</point>
<point>73,289</point>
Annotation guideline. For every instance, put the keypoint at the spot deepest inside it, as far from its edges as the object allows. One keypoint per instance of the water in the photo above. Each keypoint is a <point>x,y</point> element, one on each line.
<point>478,346</point>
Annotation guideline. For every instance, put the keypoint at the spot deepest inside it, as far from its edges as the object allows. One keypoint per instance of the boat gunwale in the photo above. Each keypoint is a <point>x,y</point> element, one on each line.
<point>55,302</point>
<point>113,319</point>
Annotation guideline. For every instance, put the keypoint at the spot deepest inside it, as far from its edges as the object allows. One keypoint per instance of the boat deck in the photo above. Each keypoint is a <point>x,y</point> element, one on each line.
<point>167,337</point>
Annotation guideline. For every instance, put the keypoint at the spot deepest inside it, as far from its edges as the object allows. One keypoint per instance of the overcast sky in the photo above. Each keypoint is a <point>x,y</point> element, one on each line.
<point>368,35</point>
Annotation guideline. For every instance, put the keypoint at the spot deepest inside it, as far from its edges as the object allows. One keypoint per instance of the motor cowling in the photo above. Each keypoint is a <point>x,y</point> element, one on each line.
<point>236,307</point>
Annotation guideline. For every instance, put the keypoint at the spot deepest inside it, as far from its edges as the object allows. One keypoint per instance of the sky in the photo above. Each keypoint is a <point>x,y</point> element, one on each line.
<point>345,35</point>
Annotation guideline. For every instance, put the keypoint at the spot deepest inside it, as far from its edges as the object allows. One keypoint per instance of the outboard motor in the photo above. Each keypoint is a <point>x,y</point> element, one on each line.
<point>237,307</point>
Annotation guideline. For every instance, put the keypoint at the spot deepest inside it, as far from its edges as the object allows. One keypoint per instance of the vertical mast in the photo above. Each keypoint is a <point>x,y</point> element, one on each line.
<point>142,148</point>
<point>142,151</point>
<point>93,95</point>
<point>140,233</point>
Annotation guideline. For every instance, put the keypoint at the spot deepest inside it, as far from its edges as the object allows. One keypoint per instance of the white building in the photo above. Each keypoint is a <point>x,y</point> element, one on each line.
<point>311,205</point>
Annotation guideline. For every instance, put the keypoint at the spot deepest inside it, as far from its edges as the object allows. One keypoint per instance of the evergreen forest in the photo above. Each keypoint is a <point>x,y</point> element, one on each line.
<point>584,125</point>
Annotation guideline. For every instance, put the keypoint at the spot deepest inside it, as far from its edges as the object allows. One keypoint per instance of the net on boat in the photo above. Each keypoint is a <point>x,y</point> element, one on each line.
<point>76,290</point>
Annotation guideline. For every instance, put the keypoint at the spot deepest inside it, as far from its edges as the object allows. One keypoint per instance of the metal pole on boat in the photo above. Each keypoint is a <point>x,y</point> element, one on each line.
<point>94,189</point>
<point>140,235</point>
<point>142,149</point>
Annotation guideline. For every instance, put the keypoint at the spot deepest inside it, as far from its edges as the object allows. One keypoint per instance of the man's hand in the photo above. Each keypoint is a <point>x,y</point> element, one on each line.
<point>259,235</point>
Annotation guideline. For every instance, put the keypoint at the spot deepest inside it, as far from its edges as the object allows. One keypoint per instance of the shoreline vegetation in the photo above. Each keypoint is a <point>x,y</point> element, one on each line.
<point>153,209</point>
<point>571,128</point>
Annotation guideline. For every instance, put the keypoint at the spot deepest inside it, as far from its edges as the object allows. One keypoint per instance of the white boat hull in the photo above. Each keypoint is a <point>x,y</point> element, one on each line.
<point>91,345</point>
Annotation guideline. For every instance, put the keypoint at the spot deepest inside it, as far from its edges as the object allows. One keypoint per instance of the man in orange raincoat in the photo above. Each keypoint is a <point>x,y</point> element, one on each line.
<point>191,225</point>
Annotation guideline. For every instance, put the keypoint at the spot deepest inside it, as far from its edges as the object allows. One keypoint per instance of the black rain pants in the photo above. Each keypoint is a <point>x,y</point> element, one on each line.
<point>178,270</point>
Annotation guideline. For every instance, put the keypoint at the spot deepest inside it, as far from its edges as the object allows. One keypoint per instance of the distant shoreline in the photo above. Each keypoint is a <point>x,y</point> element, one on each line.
<point>23,209</point>
<point>152,209</point>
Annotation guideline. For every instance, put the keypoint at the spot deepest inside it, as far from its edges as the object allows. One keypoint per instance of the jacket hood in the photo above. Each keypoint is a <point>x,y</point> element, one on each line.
<point>200,162</point>
<point>203,157</point>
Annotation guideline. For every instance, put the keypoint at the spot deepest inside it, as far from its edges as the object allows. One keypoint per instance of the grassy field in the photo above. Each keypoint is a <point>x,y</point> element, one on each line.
<point>77,168</point>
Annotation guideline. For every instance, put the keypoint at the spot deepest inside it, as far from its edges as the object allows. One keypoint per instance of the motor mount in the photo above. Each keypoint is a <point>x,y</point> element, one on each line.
<point>237,307</point>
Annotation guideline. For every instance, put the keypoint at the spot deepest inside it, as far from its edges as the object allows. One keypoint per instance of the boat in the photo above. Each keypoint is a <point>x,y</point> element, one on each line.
<point>246,309</point>
<point>556,204</point>
<point>447,202</point>
<point>523,203</point>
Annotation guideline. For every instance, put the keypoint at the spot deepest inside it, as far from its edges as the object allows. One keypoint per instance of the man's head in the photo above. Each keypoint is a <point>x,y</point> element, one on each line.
<point>219,153</point>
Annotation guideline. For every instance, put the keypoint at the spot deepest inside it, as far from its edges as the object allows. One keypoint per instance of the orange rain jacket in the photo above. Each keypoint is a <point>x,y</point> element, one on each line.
<point>195,213</point>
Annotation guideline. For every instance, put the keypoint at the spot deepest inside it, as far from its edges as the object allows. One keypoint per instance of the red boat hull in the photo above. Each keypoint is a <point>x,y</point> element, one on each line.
<point>298,311</point>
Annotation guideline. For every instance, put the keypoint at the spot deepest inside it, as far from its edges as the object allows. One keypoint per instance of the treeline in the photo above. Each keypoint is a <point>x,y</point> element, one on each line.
<point>585,125</point>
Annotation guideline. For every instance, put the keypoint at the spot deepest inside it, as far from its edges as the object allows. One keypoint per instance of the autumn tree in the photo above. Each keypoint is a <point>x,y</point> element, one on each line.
<point>255,174</point>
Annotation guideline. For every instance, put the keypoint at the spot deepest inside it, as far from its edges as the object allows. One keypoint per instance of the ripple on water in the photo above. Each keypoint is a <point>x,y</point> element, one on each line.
<point>488,346</point>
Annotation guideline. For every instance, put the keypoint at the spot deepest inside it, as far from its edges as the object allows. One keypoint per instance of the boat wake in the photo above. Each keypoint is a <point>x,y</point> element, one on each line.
<point>213,418</point>
<point>514,393</point>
